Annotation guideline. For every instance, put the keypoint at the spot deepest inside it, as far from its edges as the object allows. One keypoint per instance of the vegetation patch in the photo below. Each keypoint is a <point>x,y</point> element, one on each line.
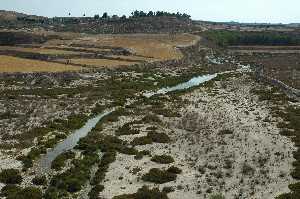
<point>175,170</point>
<point>15,192</point>
<point>94,193</point>
<point>158,137</point>
<point>226,132</point>
<point>74,178</point>
<point>141,141</point>
<point>291,116</point>
<point>144,193</point>
<point>10,176</point>
<point>150,118</point>
<point>158,176</point>
<point>127,130</point>
<point>162,159</point>
<point>225,38</point>
<point>39,180</point>
<point>60,160</point>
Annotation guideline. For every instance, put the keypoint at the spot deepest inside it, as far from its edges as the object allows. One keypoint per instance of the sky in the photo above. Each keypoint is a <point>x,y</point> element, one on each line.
<point>269,11</point>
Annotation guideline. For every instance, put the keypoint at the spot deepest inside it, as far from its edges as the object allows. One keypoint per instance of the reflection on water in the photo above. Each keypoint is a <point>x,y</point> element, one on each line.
<point>196,81</point>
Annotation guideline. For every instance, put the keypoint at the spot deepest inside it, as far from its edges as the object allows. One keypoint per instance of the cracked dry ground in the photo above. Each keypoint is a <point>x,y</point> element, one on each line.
<point>225,141</point>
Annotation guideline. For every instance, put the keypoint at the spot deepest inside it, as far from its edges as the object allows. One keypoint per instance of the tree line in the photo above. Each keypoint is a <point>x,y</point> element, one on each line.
<point>225,38</point>
<point>138,14</point>
<point>179,15</point>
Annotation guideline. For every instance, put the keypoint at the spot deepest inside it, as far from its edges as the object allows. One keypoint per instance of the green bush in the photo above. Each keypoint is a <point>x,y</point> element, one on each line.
<point>39,180</point>
<point>247,169</point>
<point>144,193</point>
<point>74,178</point>
<point>141,154</point>
<point>106,159</point>
<point>54,193</point>
<point>34,153</point>
<point>29,193</point>
<point>94,193</point>
<point>151,119</point>
<point>126,130</point>
<point>9,191</point>
<point>217,196</point>
<point>59,162</point>
<point>138,156</point>
<point>141,141</point>
<point>162,159</point>
<point>226,132</point>
<point>174,169</point>
<point>158,137</point>
<point>224,38</point>
<point>168,189</point>
<point>15,192</point>
<point>10,176</point>
<point>159,176</point>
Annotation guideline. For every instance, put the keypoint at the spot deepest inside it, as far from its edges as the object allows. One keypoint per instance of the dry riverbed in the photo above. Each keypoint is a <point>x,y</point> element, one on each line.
<point>224,140</point>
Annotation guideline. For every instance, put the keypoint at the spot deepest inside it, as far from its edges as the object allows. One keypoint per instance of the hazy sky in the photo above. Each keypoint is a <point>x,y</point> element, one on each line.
<point>284,11</point>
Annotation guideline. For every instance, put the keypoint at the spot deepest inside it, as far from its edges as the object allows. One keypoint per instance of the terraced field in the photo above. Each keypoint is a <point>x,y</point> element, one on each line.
<point>93,51</point>
<point>9,64</point>
<point>278,62</point>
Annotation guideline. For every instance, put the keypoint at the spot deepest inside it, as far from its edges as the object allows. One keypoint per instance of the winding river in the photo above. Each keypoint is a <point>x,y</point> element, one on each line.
<point>71,141</point>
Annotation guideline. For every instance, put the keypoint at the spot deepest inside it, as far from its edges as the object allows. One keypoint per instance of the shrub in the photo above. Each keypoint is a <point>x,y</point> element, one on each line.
<point>94,193</point>
<point>106,159</point>
<point>127,130</point>
<point>51,193</point>
<point>32,155</point>
<point>127,150</point>
<point>139,156</point>
<point>10,176</point>
<point>226,132</point>
<point>144,193</point>
<point>158,137</point>
<point>141,141</point>
<point>10,191</point>
<point>159,176</point>
<point>54,193</point>
<point>247,169</point>
<point>39,180</point>
<point>151,119</point>
<point>174,170</point>
<point>168,189</point>
<point>162,159</point>
<point>60,160</point>
<point>74,178</point>
<point>217,196</point>
<point>295,187</point>
<point>29,193</point>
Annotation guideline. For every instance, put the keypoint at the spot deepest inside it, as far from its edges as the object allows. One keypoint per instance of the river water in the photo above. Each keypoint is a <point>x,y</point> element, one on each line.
<point>71,141</point>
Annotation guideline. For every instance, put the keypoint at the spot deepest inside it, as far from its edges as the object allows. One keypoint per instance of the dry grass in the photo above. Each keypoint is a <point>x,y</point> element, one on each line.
<point>135,58</point>
<point>11,64</point>
<point>101,62</point>
<point>159,46</point>
<point>41,50</point>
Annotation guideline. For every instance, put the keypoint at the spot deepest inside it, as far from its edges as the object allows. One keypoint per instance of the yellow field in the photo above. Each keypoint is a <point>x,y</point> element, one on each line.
<point>159,46</point>
<point>100,62</point>
<point>10,64</point>
<point>41,50</point>
<point>134,58</point>
<point>144,47</point>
